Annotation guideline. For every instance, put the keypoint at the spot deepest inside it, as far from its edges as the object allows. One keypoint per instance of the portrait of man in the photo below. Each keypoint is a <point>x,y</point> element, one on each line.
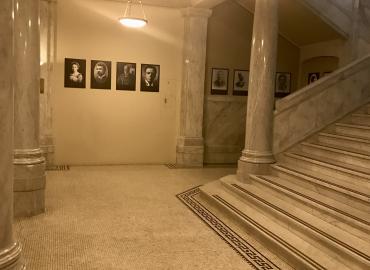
<point>100,74</point>
<point>149,78</point>
<point>126,76</point>
<point>74,73</point>
<point>282,84</point>
<point>312,77</point>
<point>219,81</point>
<point>241,80</point>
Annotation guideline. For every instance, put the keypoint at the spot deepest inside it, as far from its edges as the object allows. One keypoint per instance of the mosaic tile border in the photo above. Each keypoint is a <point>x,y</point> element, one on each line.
<point>250,254</point>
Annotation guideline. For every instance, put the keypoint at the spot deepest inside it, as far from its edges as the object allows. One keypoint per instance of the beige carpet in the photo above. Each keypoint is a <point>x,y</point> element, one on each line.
<point>123,217</point>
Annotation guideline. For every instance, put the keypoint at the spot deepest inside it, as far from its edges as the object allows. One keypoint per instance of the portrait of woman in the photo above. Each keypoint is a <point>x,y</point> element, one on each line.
<point>74,73</point>
<point>75,76</point>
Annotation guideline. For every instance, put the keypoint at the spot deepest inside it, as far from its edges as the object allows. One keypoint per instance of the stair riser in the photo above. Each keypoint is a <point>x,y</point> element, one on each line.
<point>333,173</point>
<point>322,212</point>
<point>286,178</point>
<point>355,132</point>
<point>303,232</point>
<point>345,143</point>
<point>357,161</point>
<point>360,120</point>
<point>280,250</point>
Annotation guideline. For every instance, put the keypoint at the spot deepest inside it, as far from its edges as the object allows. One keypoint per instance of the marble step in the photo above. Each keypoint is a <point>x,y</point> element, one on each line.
<point>358,131</point>
<point>339,154</point>
<point>323,186</point>
<point>368,109</point>
<point>360,119</point>
<point>297,252</point>
<point>345,141</point>
<point>337,171</point>
<point>337,243</point>
<point>341,215</point>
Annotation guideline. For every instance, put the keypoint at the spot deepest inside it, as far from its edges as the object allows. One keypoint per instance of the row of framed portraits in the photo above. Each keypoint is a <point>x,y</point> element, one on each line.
<point>101,75</point>
<point>220,76</point>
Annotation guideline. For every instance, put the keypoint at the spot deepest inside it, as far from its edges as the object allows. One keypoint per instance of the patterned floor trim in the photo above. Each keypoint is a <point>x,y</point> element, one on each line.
<point>59,168</point>
<point>252,256</point>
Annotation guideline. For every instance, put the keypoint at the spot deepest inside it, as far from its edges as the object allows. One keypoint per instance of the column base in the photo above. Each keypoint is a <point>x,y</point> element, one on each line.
<point>190,152</point>
<point>254,163</point>
<point>47,147</point>
<point>10,259</point>
<point>29,183</point>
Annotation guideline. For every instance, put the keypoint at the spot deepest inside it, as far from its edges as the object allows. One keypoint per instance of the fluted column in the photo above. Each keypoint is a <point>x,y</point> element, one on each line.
<point>257,153</point>
<point>190,147</point>
<point>29,169</point>
<point>10,250</point>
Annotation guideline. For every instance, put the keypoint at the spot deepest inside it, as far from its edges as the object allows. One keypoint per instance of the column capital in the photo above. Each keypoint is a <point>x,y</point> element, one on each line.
<point>196,12</point>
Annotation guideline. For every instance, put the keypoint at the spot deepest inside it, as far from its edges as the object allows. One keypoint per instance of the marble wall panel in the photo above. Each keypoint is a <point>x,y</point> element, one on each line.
<point>224,128</point>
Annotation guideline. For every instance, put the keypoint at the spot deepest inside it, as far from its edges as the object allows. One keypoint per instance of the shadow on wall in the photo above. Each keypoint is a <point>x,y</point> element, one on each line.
<point>316,68</point>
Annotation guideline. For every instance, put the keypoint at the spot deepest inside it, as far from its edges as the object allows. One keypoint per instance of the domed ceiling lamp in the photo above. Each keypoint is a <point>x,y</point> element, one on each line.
<point>133,21</point>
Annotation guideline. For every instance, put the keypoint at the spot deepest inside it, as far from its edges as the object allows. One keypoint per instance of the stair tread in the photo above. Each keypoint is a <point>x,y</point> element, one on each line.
<point>341,150</point>
<point>361,115</point>
<point>285,237</point>
<point>361,192</point>
<point>346,137</point>
<point>356,214</point>
<point>310,221</point>
<point>296,212</point>
<point>356,170</point>
<point>365,127</point>
<point>304,224</point>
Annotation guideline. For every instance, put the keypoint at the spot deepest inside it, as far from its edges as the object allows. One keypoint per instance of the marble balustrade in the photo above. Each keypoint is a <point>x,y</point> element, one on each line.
<point>315,106</point>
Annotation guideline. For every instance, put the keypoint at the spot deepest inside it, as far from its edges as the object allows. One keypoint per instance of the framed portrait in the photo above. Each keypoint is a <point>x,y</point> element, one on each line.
<point>100,74</point>
<point>312,77</point>
<point>150,75</point>
<point>126,76</point>
<point>326,73</point>
<point>240,82</point>
<point>219,81</point>
<point>74,73</point>
<point>282,84</point>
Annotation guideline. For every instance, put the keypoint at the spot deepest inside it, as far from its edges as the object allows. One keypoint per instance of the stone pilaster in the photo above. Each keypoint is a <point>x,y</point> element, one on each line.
<point>10,250</point>
<point>29,169</point>
<point>257,153</point>
<point>190,147</point>
<point>47,63</point>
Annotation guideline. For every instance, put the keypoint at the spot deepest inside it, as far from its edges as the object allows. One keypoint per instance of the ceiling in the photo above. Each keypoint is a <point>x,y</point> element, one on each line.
<point>297,23</point>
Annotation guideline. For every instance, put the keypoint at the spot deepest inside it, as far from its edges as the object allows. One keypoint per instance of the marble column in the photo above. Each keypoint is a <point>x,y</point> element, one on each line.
<point>29,169</point>
<point>257,154</point>
<point>47,62</point>
<point>190,147</point>
<point>10,250</point>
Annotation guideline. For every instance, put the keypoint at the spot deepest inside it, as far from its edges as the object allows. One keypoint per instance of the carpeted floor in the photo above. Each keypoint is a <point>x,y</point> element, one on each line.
<point>123,217</point>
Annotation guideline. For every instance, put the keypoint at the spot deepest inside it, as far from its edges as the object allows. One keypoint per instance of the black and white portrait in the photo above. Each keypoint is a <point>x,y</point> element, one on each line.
<point>100,74</point>
<point>74,73</point>
<point>126,76</point>
<point>219,81</point>
<point>150,78</point>
<point>312,77</point>
<point>282,84</point>
<point>241,78</point>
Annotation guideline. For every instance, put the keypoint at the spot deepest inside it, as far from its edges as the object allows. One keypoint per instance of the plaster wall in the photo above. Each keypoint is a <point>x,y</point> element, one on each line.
<point>230,31</point>
<point>108,126</point>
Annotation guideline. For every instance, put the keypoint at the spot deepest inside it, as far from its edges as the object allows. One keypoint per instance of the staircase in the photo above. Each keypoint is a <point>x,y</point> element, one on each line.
<point>313,209</point>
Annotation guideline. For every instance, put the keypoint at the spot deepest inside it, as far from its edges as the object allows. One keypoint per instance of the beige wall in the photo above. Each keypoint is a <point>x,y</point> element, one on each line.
<point>108,126</point>
<point>229,44</point>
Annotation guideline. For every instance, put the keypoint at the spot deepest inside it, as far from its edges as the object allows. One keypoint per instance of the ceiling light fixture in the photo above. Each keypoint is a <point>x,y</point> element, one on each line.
<point>133,21</point>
